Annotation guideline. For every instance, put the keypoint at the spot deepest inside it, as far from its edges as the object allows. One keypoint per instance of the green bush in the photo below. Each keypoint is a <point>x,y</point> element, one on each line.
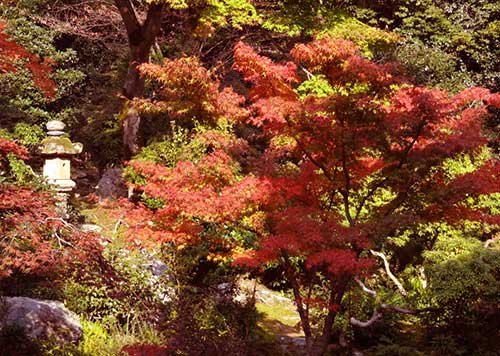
<point>116,287</point>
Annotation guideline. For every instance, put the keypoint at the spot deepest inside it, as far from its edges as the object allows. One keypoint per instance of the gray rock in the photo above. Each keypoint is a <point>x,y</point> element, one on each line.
<point>158,267</point>
<point>91,228</point>
<point>40,319</point>
<point>160,273</point>
<point>112,185</point>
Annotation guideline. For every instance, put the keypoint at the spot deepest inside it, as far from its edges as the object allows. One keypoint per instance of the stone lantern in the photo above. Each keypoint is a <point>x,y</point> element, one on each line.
<point>57,151</point>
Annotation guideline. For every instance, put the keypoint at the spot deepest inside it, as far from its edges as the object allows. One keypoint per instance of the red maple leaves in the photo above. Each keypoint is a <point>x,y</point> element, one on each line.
<point>33,239</point>
<point>340,172</point>
<point>375,135</point>
<point>8,147</point>
<point>12,55</point>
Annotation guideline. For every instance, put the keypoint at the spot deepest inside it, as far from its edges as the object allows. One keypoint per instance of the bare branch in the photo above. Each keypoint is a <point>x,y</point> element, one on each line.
<point>364,324</point>
<point>61,241</point>
<point>61,220</point>
<point>423,277</point>
<point>398,284</point>
<point>117,225</point>
<point>494,239</point>
<point>308,74</point>
<point>365,288</point>
<point>95,20</point>
<point>377,314</point>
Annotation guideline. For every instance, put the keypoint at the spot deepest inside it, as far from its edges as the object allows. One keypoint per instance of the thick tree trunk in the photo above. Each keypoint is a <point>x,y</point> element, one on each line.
<point>337,290</point>
<point>338,287</point>
<point>303,312</point>
<point>133,87</point>
<point>141,37</point>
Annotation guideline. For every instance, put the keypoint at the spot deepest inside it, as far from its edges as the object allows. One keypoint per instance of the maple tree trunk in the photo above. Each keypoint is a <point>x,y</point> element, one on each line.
<point>303,313</point>
<point>141,37</point>
<point>337,290</point>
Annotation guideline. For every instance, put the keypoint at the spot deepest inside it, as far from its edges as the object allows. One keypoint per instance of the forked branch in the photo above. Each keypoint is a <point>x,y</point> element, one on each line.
<point>398,284</point>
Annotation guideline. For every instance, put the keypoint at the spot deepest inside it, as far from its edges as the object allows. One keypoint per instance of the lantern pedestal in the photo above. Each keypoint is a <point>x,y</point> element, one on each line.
<point>57,151</point>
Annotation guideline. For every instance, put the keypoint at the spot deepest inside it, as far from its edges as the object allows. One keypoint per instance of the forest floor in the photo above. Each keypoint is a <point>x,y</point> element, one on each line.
<point>278,317</point>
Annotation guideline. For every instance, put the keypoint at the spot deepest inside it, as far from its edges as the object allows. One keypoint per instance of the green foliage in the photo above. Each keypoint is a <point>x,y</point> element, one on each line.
<point>294,18</point>
<point>103,137</point>
<point>220,13</point>
<point>20,172</point>
<point>19,96</point>
<point>469,275</point>
<point>118,287</point>
<point>16,171</point>
<point>109,339</point>
<point>201,320</point>
<point>316,85</point>
<point>178,146</point>
<point>27,135</point>
<point>433,66</point>
<point>460,38</point>
<point>389,348</point>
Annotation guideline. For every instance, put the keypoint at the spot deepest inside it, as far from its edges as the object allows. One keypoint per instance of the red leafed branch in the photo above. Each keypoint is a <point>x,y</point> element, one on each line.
<point>12,53</point>
<point>187,90</point>
<point>193,195</point>
<point>367,160</point>
<point>33,239</point>
<point>9,147</point>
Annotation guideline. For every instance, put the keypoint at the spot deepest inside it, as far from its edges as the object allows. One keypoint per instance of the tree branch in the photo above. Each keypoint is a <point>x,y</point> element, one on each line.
<point>378,311</point>
<point>347,178</point>
<point>61,220</point>
<point>402,161</point>
<point>423,277</point>
<point>152,24</point>
<point>377,314</point>
<point>365,288</point>
<point>327,174</point>
<point>129,16</point>
<point>398,284</point>
<point>364,324</point>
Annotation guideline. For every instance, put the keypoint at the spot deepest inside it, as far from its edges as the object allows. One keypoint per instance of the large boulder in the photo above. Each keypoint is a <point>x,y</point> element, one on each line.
<point>40,319</point>
<point>112,185</point>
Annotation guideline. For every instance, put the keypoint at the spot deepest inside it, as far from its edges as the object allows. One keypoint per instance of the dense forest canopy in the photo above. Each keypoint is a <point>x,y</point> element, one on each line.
<point>258,177</point>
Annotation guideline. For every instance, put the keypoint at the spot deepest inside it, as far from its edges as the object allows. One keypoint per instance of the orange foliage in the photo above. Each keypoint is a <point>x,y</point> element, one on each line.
<point>187,91</point>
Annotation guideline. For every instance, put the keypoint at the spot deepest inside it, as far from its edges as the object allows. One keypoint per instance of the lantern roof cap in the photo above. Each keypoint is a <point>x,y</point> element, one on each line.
<point>55,144</point>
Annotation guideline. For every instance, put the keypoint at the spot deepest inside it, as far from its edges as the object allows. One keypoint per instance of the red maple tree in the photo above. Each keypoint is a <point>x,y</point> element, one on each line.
<point>34,240</point>
<point>343,169</point>
<point>367,163</point>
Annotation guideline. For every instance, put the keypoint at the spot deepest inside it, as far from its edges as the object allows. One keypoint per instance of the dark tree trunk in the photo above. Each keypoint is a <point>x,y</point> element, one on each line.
<point>338,287</point>
<point>141,38</point>
<point>303,312</point>
<point>337,290</point>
